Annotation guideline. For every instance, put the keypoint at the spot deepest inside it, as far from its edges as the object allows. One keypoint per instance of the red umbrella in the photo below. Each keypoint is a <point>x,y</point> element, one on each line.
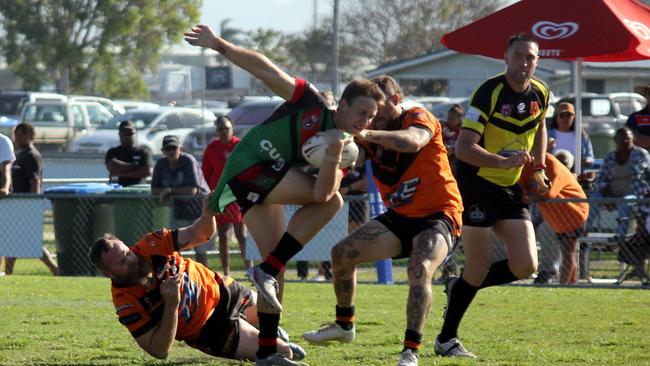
<point>580,30</point>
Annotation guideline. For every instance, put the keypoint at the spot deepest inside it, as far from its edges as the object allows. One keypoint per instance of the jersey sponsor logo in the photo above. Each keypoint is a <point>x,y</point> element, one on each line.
<point>309,122</point>
<point>274,154</point>
<point>123,307</point>
<point>506,109</point>
<point>550,30</point>
<point>521,108</point>
<point>130,319</point>
<point>473,114</point>
<point>534,108</point>
<point>477,214</point>
<point>404,193</point>
<point>189,299</point>
<point>253,197</point>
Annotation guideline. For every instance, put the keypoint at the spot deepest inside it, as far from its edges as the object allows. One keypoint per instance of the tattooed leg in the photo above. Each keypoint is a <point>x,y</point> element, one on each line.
<point>429,250</point>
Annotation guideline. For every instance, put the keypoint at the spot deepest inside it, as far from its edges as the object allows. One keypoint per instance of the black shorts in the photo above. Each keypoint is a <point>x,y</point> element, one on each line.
<point>251,186</point>
<point>220,335</point>
<point>486,203</point>
<point>406,228</point>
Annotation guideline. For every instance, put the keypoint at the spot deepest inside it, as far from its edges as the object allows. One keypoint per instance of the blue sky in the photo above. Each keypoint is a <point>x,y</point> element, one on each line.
<point>289,16</point>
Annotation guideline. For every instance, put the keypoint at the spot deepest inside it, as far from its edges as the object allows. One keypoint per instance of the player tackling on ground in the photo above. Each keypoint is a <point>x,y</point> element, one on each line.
<point>410,166</point>
<point>261,177</point>
<point>503,126</point>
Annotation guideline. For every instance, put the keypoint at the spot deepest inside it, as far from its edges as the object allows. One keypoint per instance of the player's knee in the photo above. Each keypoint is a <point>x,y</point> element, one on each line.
<point>420,272</point>
<point>340,255</point>
<point>525,268</point>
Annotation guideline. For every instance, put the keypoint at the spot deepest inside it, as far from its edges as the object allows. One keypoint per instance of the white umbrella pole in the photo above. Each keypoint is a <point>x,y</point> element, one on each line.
<point>577,90</point>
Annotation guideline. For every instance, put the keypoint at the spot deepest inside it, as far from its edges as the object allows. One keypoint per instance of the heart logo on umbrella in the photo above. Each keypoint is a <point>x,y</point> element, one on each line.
<point>639,28</point>
<point>550,30</point>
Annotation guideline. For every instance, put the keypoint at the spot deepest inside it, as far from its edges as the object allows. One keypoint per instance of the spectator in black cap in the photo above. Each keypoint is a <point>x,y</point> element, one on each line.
<point>179,174</point>
<point>128,164</point>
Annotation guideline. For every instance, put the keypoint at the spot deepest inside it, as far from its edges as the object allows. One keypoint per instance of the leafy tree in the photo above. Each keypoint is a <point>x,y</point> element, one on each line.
<point>91,46</point>
<point>384,31</point>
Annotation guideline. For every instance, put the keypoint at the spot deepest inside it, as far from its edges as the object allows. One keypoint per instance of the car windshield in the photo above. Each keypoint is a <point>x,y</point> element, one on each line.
<point>140,119</point>
<point>10,105</point>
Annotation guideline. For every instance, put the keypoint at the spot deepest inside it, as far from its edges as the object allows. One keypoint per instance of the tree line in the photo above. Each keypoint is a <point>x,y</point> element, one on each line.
<point>103,47</point>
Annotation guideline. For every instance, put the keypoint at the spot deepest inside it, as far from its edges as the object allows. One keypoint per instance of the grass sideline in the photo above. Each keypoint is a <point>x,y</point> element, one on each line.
<point>71,321</point>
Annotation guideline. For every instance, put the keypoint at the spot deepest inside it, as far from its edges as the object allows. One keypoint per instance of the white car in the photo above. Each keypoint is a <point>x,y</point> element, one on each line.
<point>129,104</point>
<point>152,126</point>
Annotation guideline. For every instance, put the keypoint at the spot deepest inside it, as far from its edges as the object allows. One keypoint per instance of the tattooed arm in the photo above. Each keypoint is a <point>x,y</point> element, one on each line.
<point>409,141</point>
<point>200,231</point>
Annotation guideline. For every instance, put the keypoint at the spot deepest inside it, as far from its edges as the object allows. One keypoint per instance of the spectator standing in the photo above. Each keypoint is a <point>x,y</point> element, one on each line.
<point>6,158</point>
<point>214,160</point>
<point>127,163</point>
<point>27,177</point>
<point>639,121</point>
<point>451,131</point>
<point>562,136</point>
<point>625,174</point>
<point>566,219</point>
<point>179,174</point>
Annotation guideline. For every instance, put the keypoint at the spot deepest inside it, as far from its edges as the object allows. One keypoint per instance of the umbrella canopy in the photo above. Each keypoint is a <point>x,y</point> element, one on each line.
<point>593,30</point>
<point>578,30</point>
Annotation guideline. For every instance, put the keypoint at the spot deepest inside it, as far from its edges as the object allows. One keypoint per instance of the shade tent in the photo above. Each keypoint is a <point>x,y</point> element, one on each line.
<point>575,30</point>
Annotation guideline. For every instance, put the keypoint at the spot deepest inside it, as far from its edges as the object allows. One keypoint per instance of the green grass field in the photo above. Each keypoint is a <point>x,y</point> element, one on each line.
<point>71,321</point>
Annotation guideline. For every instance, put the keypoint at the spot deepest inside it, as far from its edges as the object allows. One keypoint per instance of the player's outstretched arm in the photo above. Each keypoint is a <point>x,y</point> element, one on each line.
<point>410,140</point>
<point>254,62</point>
<point>201,230</point>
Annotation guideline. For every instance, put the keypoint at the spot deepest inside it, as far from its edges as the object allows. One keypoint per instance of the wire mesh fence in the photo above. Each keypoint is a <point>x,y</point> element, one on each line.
<point>609,248</point>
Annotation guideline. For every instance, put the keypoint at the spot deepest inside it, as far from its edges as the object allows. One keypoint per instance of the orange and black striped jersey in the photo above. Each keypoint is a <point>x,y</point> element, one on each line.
<point>140,307</point>
<point>421,183</point>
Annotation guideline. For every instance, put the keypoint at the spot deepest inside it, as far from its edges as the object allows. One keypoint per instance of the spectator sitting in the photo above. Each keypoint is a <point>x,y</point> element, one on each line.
<point>127,163</point>
<point>639,121</point>
<point>625,174</point>
<point>26,175</point>
<point>566,219</point>
<point>179,174</point>
<point>563,136</point>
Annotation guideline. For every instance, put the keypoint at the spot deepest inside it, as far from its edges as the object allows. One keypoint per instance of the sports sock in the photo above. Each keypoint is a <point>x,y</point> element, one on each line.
<point>267,340</point>
<point>499,274</point>
<point>460,298</point>
<point>412,340</point>
<point>275,262</point>
<point>345,317</point>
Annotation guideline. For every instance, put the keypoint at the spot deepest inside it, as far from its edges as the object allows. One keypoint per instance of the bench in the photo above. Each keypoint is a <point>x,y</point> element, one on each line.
<point>589,242</point>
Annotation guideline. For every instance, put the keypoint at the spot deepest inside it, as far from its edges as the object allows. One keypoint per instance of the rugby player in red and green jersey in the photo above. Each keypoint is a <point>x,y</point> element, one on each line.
<point>262,175</point>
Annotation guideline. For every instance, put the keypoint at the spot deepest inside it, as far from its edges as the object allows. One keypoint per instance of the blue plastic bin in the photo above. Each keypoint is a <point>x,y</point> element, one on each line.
<point>81,214</point>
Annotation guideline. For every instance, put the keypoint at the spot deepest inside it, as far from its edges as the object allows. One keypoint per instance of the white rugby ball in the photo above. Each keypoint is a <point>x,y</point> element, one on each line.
<point>313,150</point>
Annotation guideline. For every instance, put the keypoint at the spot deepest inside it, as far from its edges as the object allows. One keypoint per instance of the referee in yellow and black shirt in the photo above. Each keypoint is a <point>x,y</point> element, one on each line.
<point>503,130</point>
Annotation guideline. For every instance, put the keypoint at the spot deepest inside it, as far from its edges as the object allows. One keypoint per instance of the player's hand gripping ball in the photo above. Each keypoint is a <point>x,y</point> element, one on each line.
<point>313,150</point>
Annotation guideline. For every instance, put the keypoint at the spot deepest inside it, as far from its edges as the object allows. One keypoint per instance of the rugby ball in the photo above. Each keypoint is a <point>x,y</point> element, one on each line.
<point>313,150</point>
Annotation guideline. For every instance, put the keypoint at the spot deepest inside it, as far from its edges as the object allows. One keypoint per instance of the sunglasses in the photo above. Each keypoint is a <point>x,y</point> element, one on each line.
<point>565,115</point>
<point>127,133</point>
<point>170,148</point>
<point>223,129</point>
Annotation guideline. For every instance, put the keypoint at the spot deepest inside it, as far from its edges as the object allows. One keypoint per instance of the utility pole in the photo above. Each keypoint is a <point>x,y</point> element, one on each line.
<point>335,51</point>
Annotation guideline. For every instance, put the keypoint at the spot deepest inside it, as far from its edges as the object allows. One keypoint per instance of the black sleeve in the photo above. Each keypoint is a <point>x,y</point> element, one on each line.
<point>177,245</point>
<point>110,154</point>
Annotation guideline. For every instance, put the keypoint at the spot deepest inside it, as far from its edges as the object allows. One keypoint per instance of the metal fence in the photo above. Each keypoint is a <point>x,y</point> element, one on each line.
<point>70,223</point>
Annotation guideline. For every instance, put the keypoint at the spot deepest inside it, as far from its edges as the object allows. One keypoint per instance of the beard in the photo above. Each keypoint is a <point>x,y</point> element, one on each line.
<point>138,271</point>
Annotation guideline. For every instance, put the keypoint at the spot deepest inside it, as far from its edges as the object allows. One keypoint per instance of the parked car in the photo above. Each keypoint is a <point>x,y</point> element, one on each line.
<point>129,104</point>
<point>12,103</point>
<point>245,116</point>
<point>151,125</point>
<point>56,122</point>
<point>111,106</point>
<point>602,115</point>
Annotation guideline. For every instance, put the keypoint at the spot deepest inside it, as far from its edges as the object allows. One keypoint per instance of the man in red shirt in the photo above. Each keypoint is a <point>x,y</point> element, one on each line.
<point>214,160</point>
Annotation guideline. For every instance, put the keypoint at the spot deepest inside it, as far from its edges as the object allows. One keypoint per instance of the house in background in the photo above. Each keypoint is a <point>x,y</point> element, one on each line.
<point>452,74</point>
